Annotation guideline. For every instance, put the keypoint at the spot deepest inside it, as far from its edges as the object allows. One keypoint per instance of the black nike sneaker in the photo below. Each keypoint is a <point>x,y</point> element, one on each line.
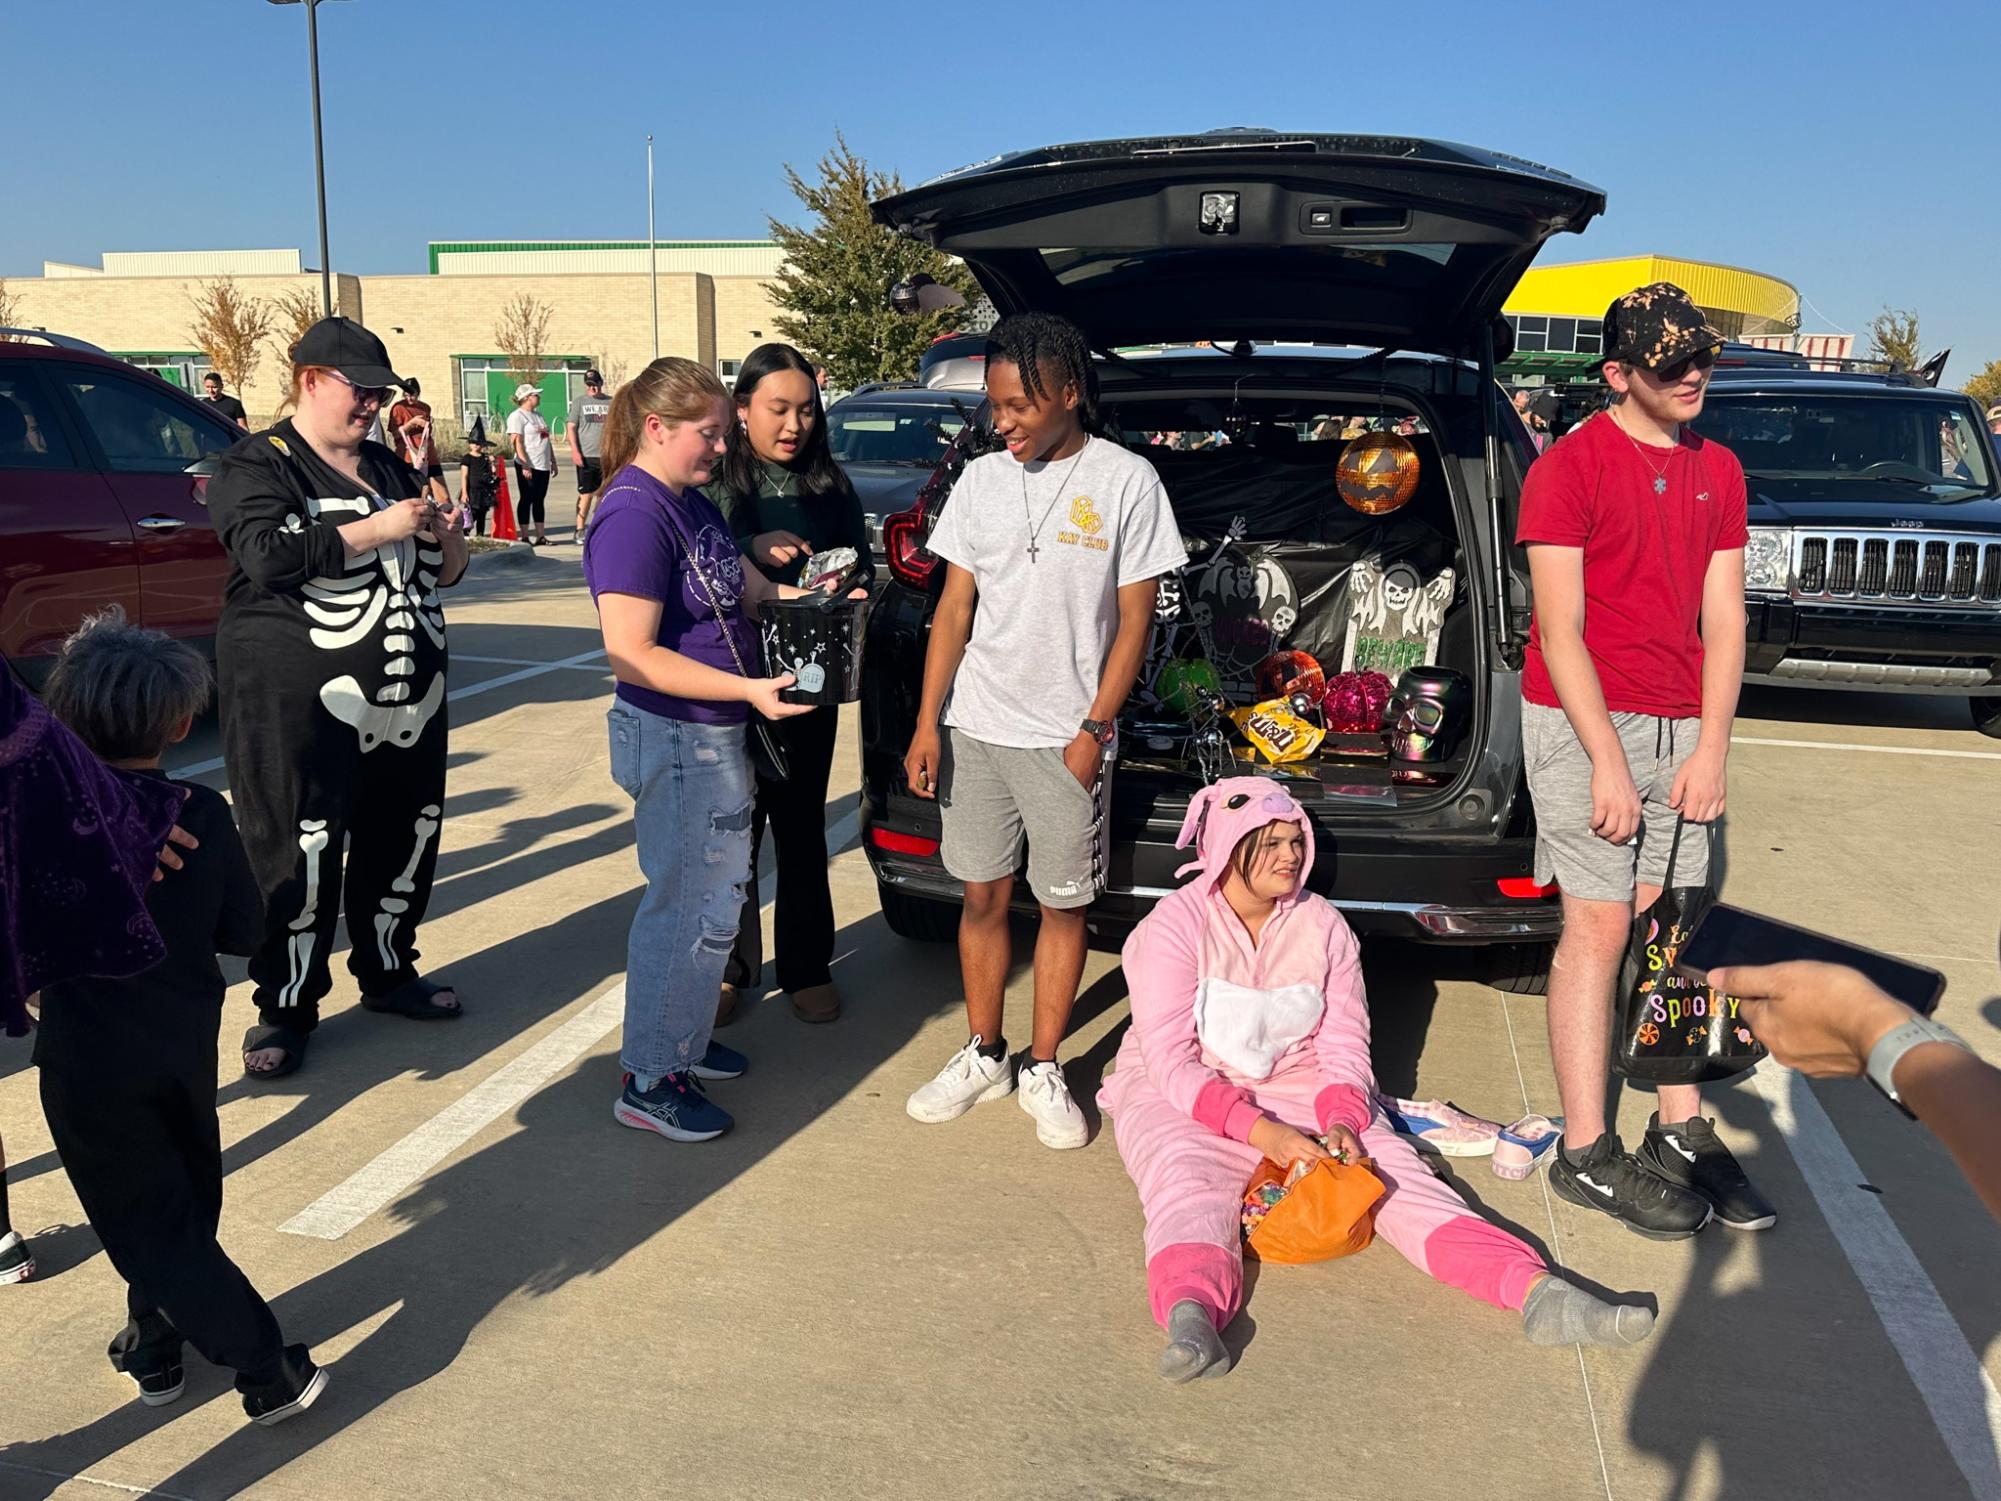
<point>1613,1181</point>
<point>1692,1156</point>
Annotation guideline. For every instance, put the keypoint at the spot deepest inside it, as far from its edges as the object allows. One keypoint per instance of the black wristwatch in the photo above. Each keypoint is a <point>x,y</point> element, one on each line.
<point>1100,730</point>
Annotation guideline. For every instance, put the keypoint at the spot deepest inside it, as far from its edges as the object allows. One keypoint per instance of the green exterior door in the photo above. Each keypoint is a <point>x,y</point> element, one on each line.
<point>555,408</point>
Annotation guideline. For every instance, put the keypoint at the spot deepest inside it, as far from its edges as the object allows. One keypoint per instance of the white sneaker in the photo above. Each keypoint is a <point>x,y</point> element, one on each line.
<point>970,1079</point>
<point>1045,1095</point>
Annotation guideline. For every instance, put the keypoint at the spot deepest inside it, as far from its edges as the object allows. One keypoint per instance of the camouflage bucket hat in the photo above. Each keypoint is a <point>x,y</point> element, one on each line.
<point>1656,325</point>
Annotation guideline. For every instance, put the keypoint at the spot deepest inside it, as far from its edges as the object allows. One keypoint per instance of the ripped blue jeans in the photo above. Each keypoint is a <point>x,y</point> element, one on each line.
<point>691,789</point>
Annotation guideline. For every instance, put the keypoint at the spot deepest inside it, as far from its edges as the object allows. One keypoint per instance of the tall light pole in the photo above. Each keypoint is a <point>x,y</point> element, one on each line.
<point>652,249</point>
<point>319,151</point>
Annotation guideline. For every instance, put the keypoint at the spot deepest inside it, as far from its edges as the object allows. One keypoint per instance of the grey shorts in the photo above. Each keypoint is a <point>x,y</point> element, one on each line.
<point>1584,865</point>
<point>990,796</point>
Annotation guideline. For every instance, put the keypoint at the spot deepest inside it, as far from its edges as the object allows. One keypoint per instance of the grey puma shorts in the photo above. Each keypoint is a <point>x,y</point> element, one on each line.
<point>1584,865</point>
<point>990,796</point>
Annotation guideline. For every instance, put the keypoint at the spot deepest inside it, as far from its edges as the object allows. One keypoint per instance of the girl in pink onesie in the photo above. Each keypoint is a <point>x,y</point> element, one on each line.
<point>1249,1033</point>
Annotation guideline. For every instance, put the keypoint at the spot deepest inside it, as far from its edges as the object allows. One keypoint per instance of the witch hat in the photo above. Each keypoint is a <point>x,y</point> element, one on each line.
<point>478,433</point>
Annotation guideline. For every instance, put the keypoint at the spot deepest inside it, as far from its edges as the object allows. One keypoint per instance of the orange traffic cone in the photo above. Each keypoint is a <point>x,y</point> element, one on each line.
<point>503,508</point>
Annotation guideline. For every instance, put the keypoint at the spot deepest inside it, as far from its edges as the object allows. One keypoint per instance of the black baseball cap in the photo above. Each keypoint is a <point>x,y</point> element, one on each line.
<point>344,345</point>
<point>593,377</point>
<point>1656,325</point>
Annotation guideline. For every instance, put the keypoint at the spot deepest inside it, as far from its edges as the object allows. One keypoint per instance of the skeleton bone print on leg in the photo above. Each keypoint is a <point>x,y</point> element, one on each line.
<point>313,841</point>
<point>393,586</point>
<point>390,909</point>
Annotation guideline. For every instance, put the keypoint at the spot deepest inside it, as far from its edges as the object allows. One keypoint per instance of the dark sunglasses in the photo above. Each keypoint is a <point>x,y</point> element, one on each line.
<point>362,393</point>
<point>1702,359</point>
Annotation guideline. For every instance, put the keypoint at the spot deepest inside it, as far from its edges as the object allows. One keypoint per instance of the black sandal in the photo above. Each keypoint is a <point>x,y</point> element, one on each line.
<point>412,999</point>
<point>286,1040</point>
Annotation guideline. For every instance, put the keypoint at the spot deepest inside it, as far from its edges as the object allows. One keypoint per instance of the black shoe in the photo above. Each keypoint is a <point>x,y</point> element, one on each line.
<point>1693,1157</point>
<point>1612,1181</point>
<point>158,1388</point>
<point>296,1388</point>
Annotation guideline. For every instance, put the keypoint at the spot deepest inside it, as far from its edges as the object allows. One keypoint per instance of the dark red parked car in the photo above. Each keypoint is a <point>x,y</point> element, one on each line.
<point>102,474</point>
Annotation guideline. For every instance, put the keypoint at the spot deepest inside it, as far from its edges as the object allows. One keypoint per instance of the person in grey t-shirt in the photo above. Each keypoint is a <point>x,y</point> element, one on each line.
<point>587,415</point>
<point>1061,541</point>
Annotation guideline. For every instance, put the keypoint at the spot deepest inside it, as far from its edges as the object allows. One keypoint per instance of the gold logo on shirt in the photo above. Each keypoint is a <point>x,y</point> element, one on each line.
<point>1085,517</point>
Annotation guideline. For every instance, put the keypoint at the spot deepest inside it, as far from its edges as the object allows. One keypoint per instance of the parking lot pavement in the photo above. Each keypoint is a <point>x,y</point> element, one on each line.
<point>519,1298</point>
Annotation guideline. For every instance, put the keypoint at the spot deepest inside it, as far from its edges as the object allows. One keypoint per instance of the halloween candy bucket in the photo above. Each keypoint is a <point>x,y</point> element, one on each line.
<point>819,641</point>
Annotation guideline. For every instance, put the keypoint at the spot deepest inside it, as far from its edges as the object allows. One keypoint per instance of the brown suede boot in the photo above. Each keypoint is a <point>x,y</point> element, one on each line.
<point>726,1005</point>
<point>817,1003</point>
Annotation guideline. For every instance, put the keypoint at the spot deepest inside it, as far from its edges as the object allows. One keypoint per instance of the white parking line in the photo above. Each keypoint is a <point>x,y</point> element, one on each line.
<point>373,1185</point>
<point>464,656</point>
<point>1879,750</point>
<point>505,680</point>
<point>1956,1388</point>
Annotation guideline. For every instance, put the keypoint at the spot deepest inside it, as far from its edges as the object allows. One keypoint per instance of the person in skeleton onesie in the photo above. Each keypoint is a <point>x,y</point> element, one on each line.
<point>332,673</point>
<point>1249,1039</point>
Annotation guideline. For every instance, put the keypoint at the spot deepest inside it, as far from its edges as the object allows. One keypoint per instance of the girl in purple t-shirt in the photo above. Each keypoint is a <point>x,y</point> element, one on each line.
<point>671,591</point>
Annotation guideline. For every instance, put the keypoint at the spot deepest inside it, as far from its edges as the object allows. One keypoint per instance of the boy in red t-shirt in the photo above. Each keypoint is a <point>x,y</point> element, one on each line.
<point>1635,530</point>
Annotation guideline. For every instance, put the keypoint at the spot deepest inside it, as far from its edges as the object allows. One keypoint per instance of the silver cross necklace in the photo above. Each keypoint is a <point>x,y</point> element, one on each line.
<point>1028,517</point>
<point>1660,474</point>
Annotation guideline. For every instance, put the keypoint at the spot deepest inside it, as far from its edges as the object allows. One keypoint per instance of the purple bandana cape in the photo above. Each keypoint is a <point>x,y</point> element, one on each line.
<point>78,843</point>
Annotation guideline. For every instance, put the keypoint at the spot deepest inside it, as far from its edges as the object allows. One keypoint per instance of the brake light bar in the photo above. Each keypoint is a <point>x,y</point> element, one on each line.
<point>1525,888</point>
<point>894,843</point>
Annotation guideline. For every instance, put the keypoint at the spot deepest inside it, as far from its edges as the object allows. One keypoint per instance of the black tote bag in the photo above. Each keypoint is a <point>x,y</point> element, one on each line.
<point>1670,1029</point>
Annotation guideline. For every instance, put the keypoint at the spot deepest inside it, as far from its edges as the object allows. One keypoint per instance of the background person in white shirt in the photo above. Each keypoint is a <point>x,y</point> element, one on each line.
<point>1061,541</point>
<point>534,461</point>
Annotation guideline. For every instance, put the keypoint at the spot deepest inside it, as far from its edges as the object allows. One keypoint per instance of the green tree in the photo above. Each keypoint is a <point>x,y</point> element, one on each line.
<point>1893,336</point>
<point>1985,387</point>
<point>833,291</point>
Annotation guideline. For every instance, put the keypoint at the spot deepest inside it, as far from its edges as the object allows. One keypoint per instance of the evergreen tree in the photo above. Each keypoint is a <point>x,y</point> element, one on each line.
<point>834,289</point>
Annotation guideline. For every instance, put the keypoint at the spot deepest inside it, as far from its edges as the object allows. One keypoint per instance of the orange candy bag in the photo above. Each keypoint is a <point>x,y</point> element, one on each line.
<point>1328,1211</point>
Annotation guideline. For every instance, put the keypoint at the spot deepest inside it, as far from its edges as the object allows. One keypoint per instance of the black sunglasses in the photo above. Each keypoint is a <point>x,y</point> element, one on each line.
<point>1702,359</point>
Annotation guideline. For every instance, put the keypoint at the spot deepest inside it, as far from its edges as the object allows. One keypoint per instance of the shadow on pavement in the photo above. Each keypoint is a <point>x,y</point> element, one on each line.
<point>566,1195</point>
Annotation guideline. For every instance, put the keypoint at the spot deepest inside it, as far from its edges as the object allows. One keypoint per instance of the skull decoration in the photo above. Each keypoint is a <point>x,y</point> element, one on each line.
<point>1399,586</point>
<point>1427,717</point>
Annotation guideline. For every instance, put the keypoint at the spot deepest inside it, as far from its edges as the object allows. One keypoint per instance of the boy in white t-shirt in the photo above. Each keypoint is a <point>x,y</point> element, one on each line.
<point>1061,541</point>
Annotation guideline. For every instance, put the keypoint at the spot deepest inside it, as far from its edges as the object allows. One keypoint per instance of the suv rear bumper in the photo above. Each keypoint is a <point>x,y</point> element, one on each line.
<point>1881,647</point>
<point>1376,889</point>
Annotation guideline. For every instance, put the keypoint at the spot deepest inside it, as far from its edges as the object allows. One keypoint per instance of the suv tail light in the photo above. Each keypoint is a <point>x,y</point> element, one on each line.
<point>903,543</point>
<point>1524,888</point>
<point>904,534</point>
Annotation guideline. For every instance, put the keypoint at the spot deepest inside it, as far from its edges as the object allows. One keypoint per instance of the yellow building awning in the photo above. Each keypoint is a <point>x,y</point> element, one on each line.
<point>1743,302</point>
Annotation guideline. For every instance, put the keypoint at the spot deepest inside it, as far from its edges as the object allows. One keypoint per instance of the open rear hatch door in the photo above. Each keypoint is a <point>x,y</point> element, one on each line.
<point>1369,240</point>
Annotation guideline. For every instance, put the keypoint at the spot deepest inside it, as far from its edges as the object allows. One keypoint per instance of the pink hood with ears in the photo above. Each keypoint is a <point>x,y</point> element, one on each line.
<point>1221,815</point>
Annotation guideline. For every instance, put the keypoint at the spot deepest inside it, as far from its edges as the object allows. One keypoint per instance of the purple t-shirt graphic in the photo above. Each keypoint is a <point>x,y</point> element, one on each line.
<point>634,547</point>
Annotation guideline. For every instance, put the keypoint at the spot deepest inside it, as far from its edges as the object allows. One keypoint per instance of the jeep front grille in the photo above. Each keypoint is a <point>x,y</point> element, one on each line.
<point>1839,567</point>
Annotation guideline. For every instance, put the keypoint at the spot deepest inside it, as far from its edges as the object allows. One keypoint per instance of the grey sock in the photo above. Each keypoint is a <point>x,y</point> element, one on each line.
<point>1561,1313</point>
<point>1194,1347</point>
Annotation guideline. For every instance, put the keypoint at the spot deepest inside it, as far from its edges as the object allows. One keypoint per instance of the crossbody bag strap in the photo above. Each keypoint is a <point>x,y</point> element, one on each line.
<point>708,591</point>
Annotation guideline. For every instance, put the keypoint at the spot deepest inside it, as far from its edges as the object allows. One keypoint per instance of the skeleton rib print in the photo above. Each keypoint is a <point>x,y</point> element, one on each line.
<point>385,599</point>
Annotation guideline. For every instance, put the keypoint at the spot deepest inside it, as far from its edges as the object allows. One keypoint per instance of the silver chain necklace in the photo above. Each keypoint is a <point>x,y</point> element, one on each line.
<point>1660,474</point>
<point>1027,516</point>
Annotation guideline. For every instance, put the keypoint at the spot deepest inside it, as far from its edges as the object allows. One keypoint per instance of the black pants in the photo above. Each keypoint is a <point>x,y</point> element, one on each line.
<point>479,515</point>
<point>528,506</point>
<point>314,808</point>
<point>796,810</point>
<point>141,1147</point>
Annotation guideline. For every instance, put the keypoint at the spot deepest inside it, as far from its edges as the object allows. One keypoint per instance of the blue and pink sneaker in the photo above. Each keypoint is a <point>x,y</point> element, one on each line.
<point>1436,1126</point>
<point>1526,1146</point>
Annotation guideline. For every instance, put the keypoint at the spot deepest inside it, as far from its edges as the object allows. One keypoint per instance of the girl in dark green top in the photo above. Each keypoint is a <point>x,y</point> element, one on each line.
<point>786,499</point>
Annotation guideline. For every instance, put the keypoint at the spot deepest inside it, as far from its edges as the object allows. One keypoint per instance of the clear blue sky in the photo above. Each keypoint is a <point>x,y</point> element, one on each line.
<point>1844,146</point>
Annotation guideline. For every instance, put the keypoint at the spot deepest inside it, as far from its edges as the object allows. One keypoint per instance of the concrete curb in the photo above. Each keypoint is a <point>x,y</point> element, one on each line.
<point>514,555</point>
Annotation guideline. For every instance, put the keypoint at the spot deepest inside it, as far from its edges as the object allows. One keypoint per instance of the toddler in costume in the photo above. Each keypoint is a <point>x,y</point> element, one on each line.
<point>1250,1037</point>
